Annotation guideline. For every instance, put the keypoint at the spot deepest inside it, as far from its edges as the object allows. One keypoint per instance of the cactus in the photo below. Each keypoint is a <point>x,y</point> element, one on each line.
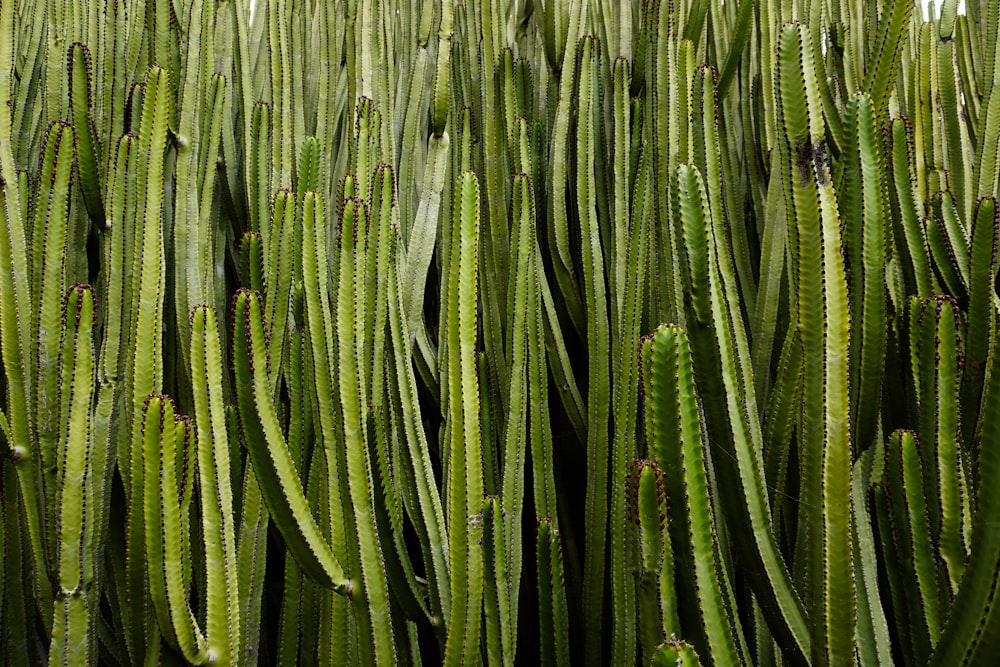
<point>449,234</point>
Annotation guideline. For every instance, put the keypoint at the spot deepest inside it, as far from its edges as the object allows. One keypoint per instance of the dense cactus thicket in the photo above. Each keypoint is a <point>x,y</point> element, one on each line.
<point>501,332</point>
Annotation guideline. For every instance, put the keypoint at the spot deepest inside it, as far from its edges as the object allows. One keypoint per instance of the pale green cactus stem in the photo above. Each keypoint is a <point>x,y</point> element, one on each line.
<point>823,326</point>
<point>145,374</point>
<point>714,348</point>
<point>521,294</point>
<point>50,233</point>
<point>465,481</point>
<point>77,508</point>
<point>224,624</point>
<point>371,598</point>
<point>280,485</point>
<point>413,452</point>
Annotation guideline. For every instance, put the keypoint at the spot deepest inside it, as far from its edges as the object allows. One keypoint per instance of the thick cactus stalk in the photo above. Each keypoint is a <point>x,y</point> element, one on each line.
<point>677,443</point>
<point>464,484</point>
<point>77,508</point>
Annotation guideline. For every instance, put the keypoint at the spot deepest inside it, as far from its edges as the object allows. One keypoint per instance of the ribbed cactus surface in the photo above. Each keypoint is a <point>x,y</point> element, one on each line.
<point>504,332</point>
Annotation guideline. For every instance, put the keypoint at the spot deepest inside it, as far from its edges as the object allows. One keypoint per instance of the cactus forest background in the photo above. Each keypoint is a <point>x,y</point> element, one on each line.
<point>499,331</point>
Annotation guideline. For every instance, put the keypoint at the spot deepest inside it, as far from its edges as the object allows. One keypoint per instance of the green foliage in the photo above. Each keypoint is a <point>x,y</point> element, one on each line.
<point>391,279</point>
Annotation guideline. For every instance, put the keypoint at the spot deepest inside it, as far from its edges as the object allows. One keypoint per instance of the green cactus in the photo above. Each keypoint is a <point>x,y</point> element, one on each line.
<point>448,234</point>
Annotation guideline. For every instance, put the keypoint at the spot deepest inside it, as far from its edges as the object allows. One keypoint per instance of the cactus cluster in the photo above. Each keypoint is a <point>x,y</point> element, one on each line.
<point>499,332</point>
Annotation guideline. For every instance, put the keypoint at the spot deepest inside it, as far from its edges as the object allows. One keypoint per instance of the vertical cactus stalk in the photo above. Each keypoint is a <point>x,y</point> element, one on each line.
<point>520,296</point>
<point>414,450</point>
<point>862,208</point>
<point>915,563</point>
<point>676,443</point>
<point>88,147</point>
<point>162,514</point>
<point>50,234</point>
<point>465,478</point>
<point>598,343</point>
<point>656,594</point>
<point>73,641</point>
<point>552,608</point>
<point>937,362</point>
<point>630,265</point>
<point>970,633</point>
<point>720,368</point>
<point>823,326</point>
<point>224,625</point>
<point>984,258</point>
<point>371,598</point>
<point>146,365</point>
<point>322,354</point>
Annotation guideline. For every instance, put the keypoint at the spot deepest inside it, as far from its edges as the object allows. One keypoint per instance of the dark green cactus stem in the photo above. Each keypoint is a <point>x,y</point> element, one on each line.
<point>552,609</point>
<point>80,83</point>
<point>937,360</point>
<point>676,442</point>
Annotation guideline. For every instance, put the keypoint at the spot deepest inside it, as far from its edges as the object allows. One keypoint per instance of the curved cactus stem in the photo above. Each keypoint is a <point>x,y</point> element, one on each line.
<point>279,483</point>
<point>720,366</point>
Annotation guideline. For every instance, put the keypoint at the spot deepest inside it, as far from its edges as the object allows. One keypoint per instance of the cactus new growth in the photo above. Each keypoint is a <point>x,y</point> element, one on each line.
<point>371,332</point>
